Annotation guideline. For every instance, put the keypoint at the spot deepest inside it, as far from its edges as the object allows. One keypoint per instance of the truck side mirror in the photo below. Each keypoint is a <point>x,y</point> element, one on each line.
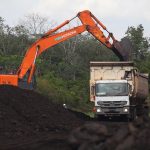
<point>92,90</point>
<point>130,88</point>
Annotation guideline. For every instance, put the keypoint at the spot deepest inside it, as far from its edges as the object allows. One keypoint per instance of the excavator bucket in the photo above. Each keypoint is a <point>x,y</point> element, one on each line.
<point>123,49</point>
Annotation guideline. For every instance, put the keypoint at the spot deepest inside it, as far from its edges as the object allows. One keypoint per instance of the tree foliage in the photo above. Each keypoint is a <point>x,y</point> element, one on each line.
<point>140,43</point>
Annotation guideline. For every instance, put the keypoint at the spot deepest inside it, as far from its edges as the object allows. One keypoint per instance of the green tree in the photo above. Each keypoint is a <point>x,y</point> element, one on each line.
<point>21,40</point>
<point>140,43</point>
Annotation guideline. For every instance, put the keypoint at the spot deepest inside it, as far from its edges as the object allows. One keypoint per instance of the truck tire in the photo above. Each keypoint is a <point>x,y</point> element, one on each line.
<point>133,114</point>
<point>140,110</point>
<point>146,111</point>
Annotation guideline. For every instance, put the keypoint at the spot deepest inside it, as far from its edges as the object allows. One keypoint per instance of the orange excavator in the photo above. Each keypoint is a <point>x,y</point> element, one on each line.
<point>89,23</point>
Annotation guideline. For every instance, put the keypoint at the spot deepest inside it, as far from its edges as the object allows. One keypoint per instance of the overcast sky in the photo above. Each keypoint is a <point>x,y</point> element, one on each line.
<point>117,15</point>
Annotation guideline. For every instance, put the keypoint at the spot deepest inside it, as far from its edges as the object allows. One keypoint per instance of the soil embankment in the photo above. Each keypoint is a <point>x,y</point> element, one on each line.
<point>30,121</point>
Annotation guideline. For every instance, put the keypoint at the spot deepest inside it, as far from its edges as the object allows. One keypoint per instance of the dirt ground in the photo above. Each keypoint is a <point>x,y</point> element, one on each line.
<point>29,121</point>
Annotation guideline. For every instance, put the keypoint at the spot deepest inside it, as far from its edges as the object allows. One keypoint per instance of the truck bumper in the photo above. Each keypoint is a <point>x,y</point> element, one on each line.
<point>112,111</point>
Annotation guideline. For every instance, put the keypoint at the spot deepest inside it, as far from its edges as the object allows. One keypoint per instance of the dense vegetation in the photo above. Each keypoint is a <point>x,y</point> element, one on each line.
<point>63,71</point>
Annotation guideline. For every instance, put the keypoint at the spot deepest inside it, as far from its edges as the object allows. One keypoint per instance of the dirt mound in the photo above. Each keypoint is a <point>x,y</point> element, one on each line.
<point>28,117</point>
<point>30,121</point>
<point>112,135</point>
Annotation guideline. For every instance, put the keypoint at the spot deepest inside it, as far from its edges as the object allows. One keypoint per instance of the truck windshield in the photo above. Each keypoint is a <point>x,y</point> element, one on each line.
<point>111,89</point>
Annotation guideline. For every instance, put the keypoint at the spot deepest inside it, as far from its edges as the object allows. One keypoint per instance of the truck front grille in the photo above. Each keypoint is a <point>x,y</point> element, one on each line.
<point>112,103</point>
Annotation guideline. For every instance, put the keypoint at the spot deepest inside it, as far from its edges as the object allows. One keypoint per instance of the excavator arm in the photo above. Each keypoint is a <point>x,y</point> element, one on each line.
<point>89,23</point>
<point>43,44</point>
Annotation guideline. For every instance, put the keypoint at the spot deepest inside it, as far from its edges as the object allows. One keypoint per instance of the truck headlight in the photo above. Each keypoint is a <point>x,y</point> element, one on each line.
<point>125,109</point>
<point>98,110</point>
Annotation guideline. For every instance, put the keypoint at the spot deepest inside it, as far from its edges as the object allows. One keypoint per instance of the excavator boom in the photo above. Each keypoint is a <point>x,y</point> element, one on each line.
<point>89,23</point>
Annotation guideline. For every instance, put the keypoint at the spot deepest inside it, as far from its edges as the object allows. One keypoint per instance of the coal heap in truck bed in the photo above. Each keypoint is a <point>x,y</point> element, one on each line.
<point>28,117</point>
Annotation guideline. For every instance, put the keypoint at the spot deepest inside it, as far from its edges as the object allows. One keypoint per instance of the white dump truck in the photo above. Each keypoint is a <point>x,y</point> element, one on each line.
<point>117,88</point>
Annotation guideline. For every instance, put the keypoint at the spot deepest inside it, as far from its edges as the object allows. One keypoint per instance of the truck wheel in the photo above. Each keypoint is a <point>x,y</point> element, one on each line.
<point>133,114</point>
<point>146,111</point>
<point>140,110</point>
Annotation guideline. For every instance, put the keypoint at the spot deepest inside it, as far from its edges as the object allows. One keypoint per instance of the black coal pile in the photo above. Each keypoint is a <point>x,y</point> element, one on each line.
<point>30,121</point>
<point>27,118</point>
<point>112,136</point>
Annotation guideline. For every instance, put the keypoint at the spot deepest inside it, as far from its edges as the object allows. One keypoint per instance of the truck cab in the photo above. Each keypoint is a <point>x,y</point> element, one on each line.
<point>112,97</point>
<point>117,88</point>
